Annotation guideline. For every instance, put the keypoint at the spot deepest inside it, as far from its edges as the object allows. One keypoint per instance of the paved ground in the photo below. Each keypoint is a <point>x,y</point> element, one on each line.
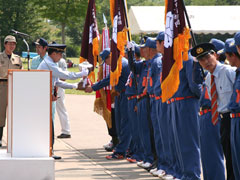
<point>83,155</point>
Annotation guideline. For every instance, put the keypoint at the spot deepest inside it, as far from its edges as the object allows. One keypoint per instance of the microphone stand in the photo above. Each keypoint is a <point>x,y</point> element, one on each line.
<point>28,53</point>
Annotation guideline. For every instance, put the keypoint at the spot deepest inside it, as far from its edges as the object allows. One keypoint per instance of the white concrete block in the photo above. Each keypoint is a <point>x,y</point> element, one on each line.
<point>26,168</point>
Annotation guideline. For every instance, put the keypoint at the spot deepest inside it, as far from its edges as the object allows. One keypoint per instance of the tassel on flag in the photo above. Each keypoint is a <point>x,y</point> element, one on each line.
<point>176,46</point>
<point>90,39</point>
<point>119,39</point>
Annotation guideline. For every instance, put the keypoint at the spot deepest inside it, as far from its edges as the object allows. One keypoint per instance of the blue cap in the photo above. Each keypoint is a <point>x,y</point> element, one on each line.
<point>160,36</point>
<point>151,43</point>
<point>137,49</point>
<point>57,47</point>
<point>237,38</point>
<point>230,47</point>
<point>41,42</point>
<point>217,43</point>
<point>105,53</point>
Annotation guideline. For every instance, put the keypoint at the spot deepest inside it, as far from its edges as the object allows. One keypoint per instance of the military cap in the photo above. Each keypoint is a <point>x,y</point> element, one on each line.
<point>230,46</point>
<point>10,38</point>
<point>217,43</point>
<point>105,53</point>
<point>57,47</point>
<point>203,49</point>
<point>237,38</point>
<point>41,42</point>
<point>160,36</point>
<point>151,43</point>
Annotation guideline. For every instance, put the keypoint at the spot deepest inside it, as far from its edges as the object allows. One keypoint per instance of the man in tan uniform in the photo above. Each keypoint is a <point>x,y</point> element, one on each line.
<point>8,60</point>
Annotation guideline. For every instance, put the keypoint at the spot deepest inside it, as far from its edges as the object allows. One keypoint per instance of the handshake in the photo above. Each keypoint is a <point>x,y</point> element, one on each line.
<point>84,84</point>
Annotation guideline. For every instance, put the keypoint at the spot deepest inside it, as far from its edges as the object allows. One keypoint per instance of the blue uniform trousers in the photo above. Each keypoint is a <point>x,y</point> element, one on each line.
<point>186,135</point>
<point>144,129</point>
<point>211,149</point>
<point>122,123</point>
<point>137,149</point>
<point>163,119</point>
<point>156,132</point>
<point>235,146</point>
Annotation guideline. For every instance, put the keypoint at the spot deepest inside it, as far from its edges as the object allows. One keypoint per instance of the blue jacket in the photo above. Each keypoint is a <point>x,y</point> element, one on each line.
<point>155,71</point>
<point>234,104</point>
<point>122,79</point>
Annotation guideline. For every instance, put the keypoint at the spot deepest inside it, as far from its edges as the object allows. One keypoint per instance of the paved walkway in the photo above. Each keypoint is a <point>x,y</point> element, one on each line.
<point>83,155</point>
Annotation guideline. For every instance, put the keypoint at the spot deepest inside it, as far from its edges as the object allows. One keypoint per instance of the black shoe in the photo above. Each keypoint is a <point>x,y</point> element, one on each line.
<point>61,136</point>
<point>109,149</point>
<point>56,157</point>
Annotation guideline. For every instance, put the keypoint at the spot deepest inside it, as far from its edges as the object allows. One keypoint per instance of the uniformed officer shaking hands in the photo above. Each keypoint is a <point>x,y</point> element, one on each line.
<point>8,60</point>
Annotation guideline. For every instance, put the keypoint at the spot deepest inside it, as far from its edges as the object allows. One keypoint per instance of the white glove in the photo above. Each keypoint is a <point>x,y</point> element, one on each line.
<point>130,45</point>
<point>84,72</point>
<point>75,85</point>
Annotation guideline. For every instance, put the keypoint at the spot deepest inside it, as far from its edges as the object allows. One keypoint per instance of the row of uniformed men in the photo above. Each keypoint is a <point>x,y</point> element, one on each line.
<point>179,132</point>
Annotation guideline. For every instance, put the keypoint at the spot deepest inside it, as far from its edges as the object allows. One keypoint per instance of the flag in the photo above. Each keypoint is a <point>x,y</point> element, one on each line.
<point>119,39</point>
<point>176,46</point>
<point>103,101</point>
<point>90,38</point>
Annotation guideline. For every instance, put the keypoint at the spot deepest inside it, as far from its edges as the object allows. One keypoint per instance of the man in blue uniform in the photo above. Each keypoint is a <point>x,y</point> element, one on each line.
<point>121,115</point>
<point>219,83</point>
<point>131,93</point>
<point>142,69</point>
<point>185,126</point>
<point>234,105</point>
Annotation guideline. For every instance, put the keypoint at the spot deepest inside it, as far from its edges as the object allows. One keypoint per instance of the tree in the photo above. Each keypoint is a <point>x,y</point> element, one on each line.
<point>62,12</point>
<point>19,15</point>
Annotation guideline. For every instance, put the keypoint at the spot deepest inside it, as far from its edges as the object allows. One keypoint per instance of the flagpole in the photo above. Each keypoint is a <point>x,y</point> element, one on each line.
<point>129,39</point>
<point>192,34</point>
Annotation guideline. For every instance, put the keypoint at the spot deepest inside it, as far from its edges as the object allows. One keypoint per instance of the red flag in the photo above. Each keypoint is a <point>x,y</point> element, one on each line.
<point>103,101</point>
<point>176,46</point>
<point>90,39</point>
<point>119,39</point>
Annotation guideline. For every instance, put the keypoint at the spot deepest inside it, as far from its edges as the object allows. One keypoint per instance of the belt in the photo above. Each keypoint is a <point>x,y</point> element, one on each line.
<point>235,115</point>
<point>204,107</point>
<point>178,99</point>
<point>3,80</point>
<point>223,115</point>
<point>132,97</point>
<point>141,95</point>
<point>205,111</point>
<point>152,96</point>
<point>158,97</point>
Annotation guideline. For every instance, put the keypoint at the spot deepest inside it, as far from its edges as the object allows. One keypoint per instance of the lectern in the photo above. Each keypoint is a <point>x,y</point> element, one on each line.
<point>29,126</point>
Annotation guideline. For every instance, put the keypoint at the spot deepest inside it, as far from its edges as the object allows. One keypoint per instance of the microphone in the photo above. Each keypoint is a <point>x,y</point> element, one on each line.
<point>19,33</point>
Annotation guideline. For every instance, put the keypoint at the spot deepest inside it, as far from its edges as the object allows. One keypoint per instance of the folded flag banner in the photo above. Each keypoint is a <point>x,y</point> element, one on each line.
<point>176,46</point>
<point>119,39</point>
<point>90,38</point>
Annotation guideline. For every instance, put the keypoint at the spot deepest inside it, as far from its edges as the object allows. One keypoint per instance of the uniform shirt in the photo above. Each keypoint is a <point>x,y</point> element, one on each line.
<point>154,73</point>
<point>36,61</point>
<point>131,88</point>
<point>234,105</point>
<point>121,82</point>
<point>187,86</point>
<point>62,64</point>
<point>224,77</point>
<point>58,73</point>
<point>204,99</point>
<point>5,63</point>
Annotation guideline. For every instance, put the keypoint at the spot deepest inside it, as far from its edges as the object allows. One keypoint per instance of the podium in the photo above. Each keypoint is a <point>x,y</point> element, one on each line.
<point>29,126</point>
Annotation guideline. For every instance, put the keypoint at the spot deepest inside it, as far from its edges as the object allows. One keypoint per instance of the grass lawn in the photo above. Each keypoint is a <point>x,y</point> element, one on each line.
<point>73,69</point>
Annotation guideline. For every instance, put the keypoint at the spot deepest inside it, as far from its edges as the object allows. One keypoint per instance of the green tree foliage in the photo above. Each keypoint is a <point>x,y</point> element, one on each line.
<point>62,12</point>
<point>19,15</point>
